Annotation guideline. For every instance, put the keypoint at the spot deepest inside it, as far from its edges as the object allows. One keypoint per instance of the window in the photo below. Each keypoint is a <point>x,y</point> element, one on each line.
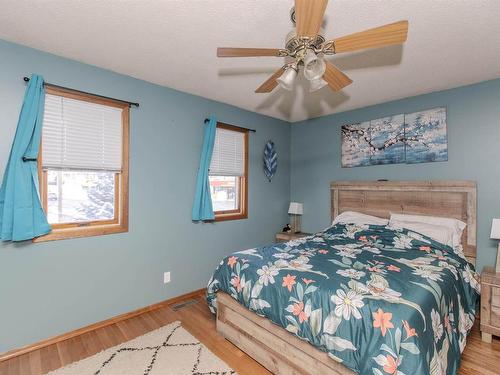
<point>229,173</point>
<point>83,164</point>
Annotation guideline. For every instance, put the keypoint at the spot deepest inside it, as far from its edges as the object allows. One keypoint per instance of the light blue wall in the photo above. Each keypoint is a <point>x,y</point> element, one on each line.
<point>473,114</point>
<point>50,288</point>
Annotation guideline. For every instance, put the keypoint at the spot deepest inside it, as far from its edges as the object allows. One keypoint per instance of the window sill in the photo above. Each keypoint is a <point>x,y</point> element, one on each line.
<point>231,216</point>
<point>79,232</point>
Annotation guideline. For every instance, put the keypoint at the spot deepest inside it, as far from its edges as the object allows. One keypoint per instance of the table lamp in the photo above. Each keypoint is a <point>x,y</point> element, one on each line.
<point>296,210</point>
<point>495,235</point>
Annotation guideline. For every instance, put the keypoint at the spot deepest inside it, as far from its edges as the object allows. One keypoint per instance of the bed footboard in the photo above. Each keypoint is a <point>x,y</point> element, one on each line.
<point>272,346</point>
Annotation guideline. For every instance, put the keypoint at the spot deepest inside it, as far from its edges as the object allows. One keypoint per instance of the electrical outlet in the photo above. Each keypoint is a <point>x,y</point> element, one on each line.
<point>166,277</point>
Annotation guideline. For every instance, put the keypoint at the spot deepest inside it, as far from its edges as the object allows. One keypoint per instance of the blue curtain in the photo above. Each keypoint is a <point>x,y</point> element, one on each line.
<point>21,214</point>
<point>202,207</point>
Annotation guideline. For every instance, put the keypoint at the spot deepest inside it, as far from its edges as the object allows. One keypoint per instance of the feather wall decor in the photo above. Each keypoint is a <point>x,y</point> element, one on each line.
<point>270,160</point>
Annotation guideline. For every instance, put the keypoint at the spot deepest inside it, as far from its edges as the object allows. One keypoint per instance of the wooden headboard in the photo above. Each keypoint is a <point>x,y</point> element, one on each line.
<point>455,199</point>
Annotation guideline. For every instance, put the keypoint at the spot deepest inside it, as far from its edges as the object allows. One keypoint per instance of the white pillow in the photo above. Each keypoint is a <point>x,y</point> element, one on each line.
<point>455,225</point>
<point>351,217</point>
<point>439,233</point>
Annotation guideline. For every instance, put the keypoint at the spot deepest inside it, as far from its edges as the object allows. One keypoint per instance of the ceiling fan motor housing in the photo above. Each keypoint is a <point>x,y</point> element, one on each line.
<point>293,44</point>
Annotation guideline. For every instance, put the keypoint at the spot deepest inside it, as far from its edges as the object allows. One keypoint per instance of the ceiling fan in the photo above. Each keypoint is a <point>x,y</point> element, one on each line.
<point>307,49</point>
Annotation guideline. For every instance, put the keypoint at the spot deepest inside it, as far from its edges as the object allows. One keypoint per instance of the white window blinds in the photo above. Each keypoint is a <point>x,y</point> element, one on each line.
<point>81,135</point>
<point>228,157</point>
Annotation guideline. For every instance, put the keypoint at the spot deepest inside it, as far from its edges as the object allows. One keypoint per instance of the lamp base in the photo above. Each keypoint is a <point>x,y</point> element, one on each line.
<point>497,268</point>
<point>295,223</point>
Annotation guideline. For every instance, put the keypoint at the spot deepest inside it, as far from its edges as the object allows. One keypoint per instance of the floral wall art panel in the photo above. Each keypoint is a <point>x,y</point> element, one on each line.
<point>387,140</point>
<point>426,138</point>
<point>355,145</point>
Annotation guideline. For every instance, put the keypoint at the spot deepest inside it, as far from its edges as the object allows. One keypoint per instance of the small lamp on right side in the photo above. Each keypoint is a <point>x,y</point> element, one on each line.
<point>296,210</point>
<point>495,235</point>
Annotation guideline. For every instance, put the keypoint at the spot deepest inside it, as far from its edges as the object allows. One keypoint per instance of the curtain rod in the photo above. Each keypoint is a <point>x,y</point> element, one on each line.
<point>240,127</point>
<point>26,79</point>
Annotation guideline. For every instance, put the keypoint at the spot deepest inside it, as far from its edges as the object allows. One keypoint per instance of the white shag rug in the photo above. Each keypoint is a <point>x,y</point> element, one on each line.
<point>169,350</point>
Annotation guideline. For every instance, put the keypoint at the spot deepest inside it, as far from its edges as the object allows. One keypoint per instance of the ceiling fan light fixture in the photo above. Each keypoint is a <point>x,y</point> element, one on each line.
<point>316,84</point>
<point>288,78</point>
<point>314,66</point>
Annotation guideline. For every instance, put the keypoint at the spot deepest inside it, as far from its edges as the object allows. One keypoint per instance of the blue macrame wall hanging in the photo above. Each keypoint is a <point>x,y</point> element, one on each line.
<point>270,160</point>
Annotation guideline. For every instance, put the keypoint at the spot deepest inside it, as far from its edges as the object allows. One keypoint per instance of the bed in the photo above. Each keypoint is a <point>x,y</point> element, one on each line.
<point>364,299</point>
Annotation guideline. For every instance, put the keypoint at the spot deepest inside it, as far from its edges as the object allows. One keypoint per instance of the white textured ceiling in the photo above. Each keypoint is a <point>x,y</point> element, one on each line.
<point>173,43</point>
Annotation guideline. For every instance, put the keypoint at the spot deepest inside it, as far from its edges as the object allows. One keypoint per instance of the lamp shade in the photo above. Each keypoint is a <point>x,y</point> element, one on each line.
<point>314,66</point>
<point>287,78</point>
<point>495,229</point>
<point>295,208</point>
<point>316,84</point>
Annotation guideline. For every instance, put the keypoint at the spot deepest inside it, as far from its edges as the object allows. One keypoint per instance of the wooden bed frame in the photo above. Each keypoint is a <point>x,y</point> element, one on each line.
<point>284,353</point>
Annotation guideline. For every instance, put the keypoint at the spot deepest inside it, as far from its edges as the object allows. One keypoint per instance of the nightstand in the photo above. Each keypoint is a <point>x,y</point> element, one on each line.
<point>288,236</point>
<point>490,303</point>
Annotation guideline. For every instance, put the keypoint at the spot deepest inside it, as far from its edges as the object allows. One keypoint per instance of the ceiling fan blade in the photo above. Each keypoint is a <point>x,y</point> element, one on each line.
<point>247,52</point>
<point>271,83</point>
<point>335,78</point>
<point>309,16</point>
<point>394,33</point>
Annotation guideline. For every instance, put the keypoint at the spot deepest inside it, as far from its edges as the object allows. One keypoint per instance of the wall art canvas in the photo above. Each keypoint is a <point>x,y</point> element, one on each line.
<point>356,145</point>
<point>412,138</point>
<point>426,137</point>
<point>270,160</point>
<point>387,140</point>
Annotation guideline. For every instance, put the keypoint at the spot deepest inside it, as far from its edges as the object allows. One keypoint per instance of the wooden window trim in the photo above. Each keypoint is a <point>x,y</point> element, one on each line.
<point>242,211</point>
<point>93,228</point>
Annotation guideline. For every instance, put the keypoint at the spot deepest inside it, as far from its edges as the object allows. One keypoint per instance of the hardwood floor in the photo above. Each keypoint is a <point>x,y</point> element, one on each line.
<point>478,357</point>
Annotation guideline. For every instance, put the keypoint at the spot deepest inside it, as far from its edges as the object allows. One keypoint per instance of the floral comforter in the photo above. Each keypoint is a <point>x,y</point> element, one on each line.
<point>379,300</point>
